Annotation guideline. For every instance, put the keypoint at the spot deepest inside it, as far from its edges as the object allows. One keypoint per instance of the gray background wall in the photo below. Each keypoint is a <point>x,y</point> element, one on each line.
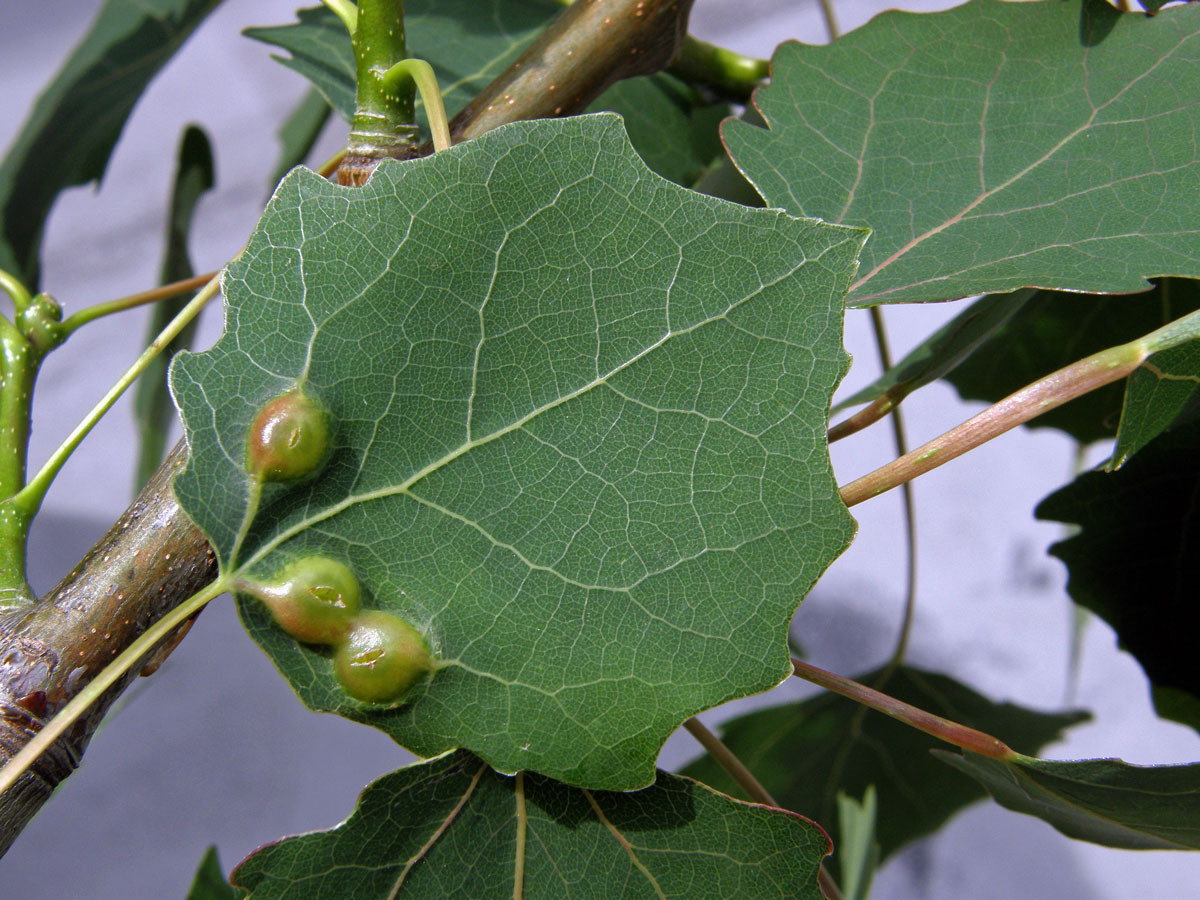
<point>215,748</point>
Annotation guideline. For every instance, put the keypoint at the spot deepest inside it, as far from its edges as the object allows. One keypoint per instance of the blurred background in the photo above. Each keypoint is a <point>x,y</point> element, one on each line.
<point>216,749</point>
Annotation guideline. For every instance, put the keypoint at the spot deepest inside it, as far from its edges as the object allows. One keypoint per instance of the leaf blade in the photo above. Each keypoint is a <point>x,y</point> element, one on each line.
<point>1104,801</point>
<point>673,840</point>
<point>984,147</point>
<point>533,413</point>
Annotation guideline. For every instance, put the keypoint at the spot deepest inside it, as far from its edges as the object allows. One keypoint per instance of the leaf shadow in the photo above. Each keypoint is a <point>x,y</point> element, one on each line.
<point>1097,19</point>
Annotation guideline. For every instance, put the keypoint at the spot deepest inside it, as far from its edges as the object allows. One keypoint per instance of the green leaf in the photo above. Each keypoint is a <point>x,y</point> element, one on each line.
<point>805,753</point>
<point>210,883</point>
<point>194,176</point>
<point>468,43</point>
<point>452,828</point>
<point>76,121</point>
<point>671,126</point>
<point>1055,329</point>
<point>299,132</point>
<point>1105,801</point>
<point>580,436</point>
<point>945,349</point>
<point>1166,386</point>
<point>857,849</point>
<point>992,146</point>
<point>1135,560</point>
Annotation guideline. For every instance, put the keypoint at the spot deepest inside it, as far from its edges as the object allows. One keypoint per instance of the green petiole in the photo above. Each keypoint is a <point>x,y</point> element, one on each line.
<point>421,74</point>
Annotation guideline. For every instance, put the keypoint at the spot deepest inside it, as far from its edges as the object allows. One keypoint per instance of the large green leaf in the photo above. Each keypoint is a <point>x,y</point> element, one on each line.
<point>1135,560</point>
<point>671,125</point>
<point>452,828</point>
<point>992,146</point>
<point>805,753</point>
<point>76,121</point>
<point>1055,329</point>
<point>580,436</point>
<point>1105,801</point>
<point>468,43</point>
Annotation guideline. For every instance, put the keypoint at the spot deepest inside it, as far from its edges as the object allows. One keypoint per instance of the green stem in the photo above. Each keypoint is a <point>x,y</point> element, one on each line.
<point>730,73</point>
<point>420,73</point>
<point>942,729</point>
<point>90,314</point>
<point>384,113</point>
<point>30,497</point>
<point>12,286</point>
<point>1040,397</point>
<point>109,676</point>
<point>346,11</point>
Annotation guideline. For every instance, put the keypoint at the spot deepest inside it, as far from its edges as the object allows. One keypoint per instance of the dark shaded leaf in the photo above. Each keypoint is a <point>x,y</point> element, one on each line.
<point>992,146</point>
<point>1135,560</point>
<point>805,753</point>
<point>1105,801</point>
<point>76,121</point>
<point>453,828</point>
<point>580,424</point>
<point>152,403</point>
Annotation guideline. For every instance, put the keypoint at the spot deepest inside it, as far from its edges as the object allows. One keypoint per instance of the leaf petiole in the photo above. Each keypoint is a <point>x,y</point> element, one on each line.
<point>106,678</point>
<point>346,11</point>
<point>29,499</point>
<point>1016,409</point>
<point>936,726</point>
<point>421,74</point>
<point>12,286</point>
<point>91,313</point>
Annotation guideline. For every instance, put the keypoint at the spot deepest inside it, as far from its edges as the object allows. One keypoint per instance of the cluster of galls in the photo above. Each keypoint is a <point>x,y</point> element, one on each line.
<point>377,656</point>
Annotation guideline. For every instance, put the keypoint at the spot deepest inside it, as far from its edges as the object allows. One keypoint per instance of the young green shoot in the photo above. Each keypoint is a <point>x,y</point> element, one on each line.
<point>29,499</point>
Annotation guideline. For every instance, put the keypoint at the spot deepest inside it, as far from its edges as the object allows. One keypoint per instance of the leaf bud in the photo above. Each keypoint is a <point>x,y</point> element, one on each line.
<point>382,657</point>
<point>288,439</point>
<point>315,599</point>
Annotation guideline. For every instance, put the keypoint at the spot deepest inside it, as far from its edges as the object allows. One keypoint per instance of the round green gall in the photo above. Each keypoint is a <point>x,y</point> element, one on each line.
<point>315,599</point>
<point>288,439</point>
<point>382,657</point>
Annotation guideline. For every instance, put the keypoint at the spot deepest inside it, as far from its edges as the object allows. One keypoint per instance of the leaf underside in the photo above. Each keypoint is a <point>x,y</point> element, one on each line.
<point>580,438</point>
<point>805,753</point>
<point>1105,801</point>
<point>453,828</point>
<point>992,146</point>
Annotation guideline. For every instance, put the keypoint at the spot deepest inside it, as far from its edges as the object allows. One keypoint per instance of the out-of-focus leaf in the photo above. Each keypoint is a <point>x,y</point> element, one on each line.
<point>805,753</point>
<point>943,350</point>
<point>1055,329</point>
<point>857,849</point>
<point>152,404</point>
<point>210,883</point>
<point>1105,801</point>
<point>299,132</point>
<point>992,146</point>
<point>1135,560</point>
<point>580,422</point>
<point>76,121</point>
<point>453,829</point>
<point>671,126</point>
<point>468,43</point>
